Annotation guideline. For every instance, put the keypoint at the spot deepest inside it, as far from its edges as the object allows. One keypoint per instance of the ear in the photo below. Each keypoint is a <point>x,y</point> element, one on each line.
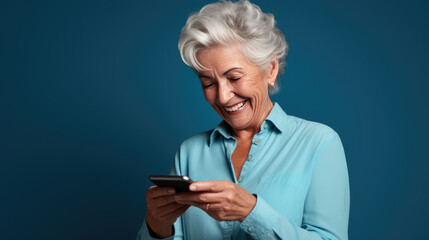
<point>272,71</point>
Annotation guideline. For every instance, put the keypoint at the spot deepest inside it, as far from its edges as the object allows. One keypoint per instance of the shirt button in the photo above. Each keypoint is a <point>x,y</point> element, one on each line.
<point>250,229</point>
<point>257,141</point>
<point>249,157</point>
<point>240,179</point>
<point>265,126</point>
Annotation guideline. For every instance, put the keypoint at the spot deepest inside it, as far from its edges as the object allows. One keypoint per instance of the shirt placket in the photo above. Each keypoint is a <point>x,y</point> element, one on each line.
<point>228,226</point>
<point>230,144</point>
<point>252,157</point>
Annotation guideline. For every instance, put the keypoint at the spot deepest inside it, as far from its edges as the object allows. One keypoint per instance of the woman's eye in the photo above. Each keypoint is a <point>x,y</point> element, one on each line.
<point>208,85</point>
<point>235,78</point>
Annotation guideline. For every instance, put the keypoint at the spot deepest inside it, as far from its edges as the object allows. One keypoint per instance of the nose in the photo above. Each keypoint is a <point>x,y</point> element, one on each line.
<point>224,92</point>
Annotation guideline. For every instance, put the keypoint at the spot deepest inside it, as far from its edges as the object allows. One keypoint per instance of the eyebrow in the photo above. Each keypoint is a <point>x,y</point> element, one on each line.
<point>230,70</point>
<point>226,72</point>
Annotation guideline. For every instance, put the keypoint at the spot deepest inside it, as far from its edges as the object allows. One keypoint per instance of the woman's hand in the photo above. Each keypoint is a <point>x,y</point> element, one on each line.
<point>162,210</point>
<point>222,200</point>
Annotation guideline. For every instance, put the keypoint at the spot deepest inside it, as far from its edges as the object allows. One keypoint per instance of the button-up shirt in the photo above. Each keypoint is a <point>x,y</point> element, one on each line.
<point>296,168</point>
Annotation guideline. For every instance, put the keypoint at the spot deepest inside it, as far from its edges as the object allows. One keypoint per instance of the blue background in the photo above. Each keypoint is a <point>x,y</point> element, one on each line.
<point>94,98</point>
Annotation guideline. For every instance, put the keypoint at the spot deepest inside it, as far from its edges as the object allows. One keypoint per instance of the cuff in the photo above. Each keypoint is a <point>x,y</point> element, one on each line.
<point>257,223</point>
<point>264,222</point>
<point>144,234</point>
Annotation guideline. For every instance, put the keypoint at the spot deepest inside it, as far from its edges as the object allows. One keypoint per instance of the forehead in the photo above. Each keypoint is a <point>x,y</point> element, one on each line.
<point>220,58</point>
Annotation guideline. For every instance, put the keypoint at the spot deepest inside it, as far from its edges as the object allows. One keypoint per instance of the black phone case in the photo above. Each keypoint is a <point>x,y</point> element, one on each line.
<point>180,183</point>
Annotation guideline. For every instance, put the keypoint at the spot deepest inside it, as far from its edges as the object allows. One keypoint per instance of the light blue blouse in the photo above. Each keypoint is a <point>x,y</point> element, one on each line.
<point>296,168</point>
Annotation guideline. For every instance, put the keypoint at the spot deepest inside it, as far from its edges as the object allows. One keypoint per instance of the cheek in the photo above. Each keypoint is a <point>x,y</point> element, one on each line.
<point>210,95</point>
<point>255,89</point>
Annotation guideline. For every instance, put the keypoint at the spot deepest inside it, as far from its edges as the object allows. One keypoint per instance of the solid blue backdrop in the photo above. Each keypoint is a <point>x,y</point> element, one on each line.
<point>94,98</point>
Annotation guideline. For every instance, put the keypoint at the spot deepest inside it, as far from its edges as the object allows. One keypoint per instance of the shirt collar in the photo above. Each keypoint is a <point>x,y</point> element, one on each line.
<point>221,129</point>
<point>277,118</point>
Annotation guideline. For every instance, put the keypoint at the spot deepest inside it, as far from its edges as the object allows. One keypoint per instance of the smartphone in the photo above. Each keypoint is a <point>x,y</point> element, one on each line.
<point>180,183</point>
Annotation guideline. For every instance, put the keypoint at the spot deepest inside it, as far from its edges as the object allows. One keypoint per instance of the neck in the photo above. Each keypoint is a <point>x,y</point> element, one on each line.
<point>248,133</point>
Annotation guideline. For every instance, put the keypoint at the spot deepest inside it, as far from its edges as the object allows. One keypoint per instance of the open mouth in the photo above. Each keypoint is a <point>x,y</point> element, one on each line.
<point>236,107</point>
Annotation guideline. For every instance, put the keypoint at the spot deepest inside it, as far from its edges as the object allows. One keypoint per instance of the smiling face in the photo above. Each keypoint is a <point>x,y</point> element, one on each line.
<point>236,88</point>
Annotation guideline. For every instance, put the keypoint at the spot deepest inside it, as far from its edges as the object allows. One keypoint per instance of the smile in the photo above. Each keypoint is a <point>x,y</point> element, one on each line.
<point>236,107</point>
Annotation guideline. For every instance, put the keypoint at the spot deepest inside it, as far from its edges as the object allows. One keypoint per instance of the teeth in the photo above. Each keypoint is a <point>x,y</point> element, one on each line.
<point>239,106</point>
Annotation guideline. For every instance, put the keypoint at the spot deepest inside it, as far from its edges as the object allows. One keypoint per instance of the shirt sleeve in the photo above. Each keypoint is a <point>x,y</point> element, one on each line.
<point>326,208</point>
<point>144,234</point>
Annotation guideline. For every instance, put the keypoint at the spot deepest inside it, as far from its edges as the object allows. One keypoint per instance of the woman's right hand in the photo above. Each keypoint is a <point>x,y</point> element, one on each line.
<point>162,210</point>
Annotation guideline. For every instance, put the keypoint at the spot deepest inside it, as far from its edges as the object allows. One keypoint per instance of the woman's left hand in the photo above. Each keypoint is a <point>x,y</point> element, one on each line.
<point>222,200</point>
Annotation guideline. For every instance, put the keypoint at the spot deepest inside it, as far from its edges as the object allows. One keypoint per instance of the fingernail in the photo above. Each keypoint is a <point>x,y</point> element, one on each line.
<point>192,188</point>
<point>171,191</point>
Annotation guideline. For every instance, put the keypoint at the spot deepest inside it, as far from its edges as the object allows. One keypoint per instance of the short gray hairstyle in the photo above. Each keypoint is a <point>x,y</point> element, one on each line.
<point>226,22</point>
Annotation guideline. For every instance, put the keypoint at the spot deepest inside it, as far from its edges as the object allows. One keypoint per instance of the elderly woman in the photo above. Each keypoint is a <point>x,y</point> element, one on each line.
<point>260,174</point>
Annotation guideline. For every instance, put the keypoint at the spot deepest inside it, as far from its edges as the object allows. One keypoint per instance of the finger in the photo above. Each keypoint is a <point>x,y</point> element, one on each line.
<point>213,207</point>
<point>171,217</point>
<point>181,210</point>
<point>160,201</point>
<point>208,206</point>
<point>204,197</point>
<point>169,209</point>
<point>155,191</point>
<point>211,186</point>
<point>195,204</point>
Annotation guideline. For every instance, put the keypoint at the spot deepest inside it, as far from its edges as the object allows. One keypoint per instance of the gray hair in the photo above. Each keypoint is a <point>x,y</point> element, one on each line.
<point>227,22</point>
